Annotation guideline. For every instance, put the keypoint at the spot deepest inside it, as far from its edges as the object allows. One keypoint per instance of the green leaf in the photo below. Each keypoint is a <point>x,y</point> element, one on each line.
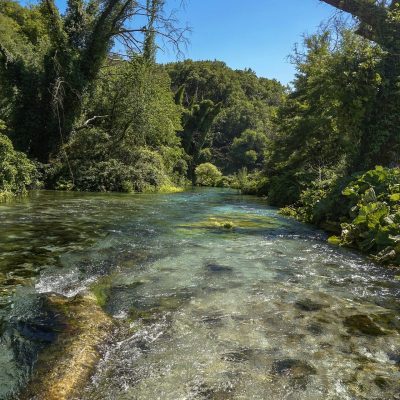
<point>395,197</point>
<point>349,191</point>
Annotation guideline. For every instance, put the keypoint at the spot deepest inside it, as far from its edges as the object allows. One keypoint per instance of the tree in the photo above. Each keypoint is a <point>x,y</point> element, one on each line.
<point>247,150</point>
<point>197,123</point>
<point>16,171</point>
<point>126,136</point>
<point>325,120</point>
<point>247,102</point>
<point>379,21</point>
<point>50,90</point>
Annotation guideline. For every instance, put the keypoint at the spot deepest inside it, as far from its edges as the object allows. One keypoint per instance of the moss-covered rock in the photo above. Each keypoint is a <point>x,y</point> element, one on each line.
<point>298,372</point>
<point>66,364</point>
<point>373,325</point>
<point>309,305</point>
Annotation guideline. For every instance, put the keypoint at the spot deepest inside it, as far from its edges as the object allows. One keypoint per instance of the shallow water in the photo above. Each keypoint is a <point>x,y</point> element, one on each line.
<point>215,297</point>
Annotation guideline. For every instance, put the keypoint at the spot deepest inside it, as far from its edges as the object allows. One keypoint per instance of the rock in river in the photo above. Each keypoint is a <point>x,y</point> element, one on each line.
<point>218,269</point>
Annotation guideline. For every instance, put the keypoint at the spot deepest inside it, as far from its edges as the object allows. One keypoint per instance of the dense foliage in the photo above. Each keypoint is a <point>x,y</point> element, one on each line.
<point>98,121</point>
<point>324,122</point>
<point>207,174</point>
<point>244,107</point>
<point>49,61</point>
<point>329,130</point>
<point>17,173</point>
<point>375,217</point>
<point>126,139</point>
<point>95,120</point>
<point>363,211</point>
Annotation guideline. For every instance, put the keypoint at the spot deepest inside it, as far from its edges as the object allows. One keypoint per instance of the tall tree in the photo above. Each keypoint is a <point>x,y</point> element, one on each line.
<point>379,21</point>
<point>197,123</point>
<point>79,44</point>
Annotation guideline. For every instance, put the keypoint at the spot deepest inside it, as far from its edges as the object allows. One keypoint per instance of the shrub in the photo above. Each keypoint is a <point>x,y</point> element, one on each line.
<point>283,190</point>
<point>374,224</point>
<point>17,173</point>
<point>249,183</point>
<point>364,208</point>
<point>92,161</point>
<point>147,172</point>
<point>207,174</point>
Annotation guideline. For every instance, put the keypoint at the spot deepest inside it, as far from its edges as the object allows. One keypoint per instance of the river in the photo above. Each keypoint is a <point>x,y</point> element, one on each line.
<point>212,295</point>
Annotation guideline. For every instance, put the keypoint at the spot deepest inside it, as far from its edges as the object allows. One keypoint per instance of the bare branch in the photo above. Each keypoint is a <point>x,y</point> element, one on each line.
<point>89,122</point>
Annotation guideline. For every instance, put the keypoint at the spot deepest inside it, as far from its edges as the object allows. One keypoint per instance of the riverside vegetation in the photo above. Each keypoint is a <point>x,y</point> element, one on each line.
<point>132,284</point>
<point>74,115</point>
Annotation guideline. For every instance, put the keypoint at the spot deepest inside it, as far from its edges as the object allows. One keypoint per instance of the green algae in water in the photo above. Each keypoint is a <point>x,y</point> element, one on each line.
<point>374,325</point>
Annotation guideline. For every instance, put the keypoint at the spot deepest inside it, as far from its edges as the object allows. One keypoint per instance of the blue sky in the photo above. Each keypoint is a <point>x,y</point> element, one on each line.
<point>256,34</point>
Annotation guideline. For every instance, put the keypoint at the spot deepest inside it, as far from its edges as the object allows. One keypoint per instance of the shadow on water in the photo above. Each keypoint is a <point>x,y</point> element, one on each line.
<point>215,296</point>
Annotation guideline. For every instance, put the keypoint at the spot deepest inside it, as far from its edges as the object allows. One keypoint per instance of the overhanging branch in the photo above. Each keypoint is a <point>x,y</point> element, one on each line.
<point>366,11</point>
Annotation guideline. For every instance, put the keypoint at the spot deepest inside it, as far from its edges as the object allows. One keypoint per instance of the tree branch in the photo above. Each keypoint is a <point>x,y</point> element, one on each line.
<point>89,121</point>
<point>366,11</point>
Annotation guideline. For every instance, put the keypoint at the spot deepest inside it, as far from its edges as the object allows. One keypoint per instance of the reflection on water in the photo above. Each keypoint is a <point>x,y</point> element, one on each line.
<point>217,297</point>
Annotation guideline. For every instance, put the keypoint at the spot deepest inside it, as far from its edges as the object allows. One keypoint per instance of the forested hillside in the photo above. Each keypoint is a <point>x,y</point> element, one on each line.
<point>95,121</point>
<point>241,113</point>
<point>84,106</point>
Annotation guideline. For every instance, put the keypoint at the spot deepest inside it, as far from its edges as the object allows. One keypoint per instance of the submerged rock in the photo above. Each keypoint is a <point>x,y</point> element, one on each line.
<point>64,366</point>
<point>238,356</point>
<point>381,382</point>
<point>363,324</point>
<point>395,357</point>
<point>297,371</point>
<point>309,305</point>
<point>39,323</point>
<point>292,367</point>
<point>217,268</point>
<point>33,325</point>
<point>215,319</point>
<point>206,392</point>
<point>315,329</point>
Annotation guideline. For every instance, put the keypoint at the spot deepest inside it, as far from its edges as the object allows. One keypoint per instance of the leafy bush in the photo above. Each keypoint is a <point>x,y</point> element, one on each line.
<point>16,171</point>
<point>283,190</point>
<point>365,209</point>
<point>249,183</point>
<point>129,170</point>
<point>375,217</point>
<point>207,174</point>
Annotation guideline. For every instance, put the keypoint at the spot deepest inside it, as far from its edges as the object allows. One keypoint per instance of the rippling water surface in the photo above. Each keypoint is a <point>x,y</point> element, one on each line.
<point>214,295</point>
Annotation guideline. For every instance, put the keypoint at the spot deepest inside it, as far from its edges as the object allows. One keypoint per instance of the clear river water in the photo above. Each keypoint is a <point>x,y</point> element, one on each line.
<point>214,296</point>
